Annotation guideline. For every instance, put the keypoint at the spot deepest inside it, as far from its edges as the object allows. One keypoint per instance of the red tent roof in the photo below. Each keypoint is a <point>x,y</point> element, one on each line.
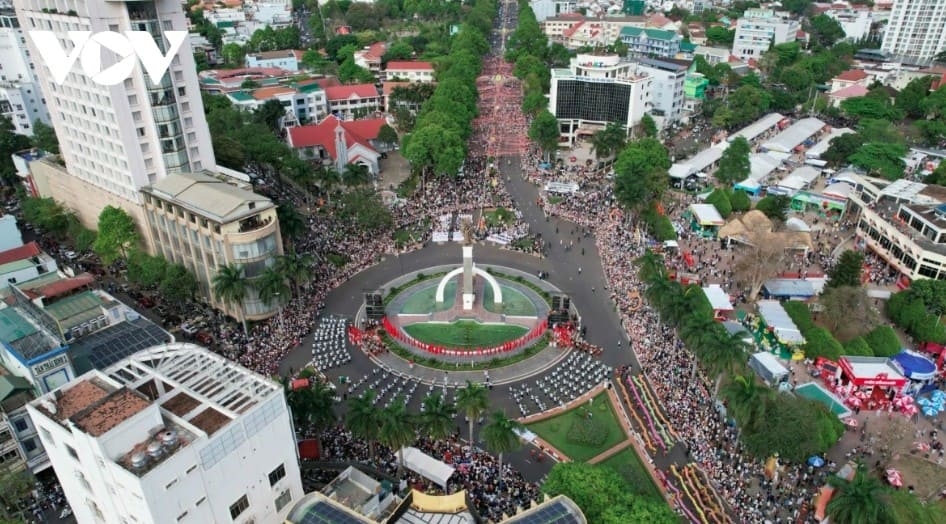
<point>20,253</point>
<point>309,449</point>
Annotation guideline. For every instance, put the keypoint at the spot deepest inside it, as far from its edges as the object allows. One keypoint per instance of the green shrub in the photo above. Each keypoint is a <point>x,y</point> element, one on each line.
<point>739,200</point>
<point>662,229</point>
<point>858,347</point>
<point>883,341</point>
<point>800,315</point>
<point>720,200</point>
<point>820,343</point>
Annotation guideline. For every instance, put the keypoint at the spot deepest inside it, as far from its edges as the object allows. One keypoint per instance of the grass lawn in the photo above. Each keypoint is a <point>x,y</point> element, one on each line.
<point>580,437</point>
<point>467,334</point>
<point>422,301</point>
<point>514,302</point>
<point>498,217</point>
<point>629,465</point>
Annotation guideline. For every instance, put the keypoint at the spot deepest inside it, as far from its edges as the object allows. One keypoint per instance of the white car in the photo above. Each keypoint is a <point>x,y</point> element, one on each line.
<point>70,255</point>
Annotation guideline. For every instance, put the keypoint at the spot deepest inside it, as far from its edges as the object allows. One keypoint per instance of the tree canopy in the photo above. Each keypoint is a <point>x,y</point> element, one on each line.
<point>734,165</point>
<point>117,235</point>
<point>641,173</point>
<point>604,496</point>
<point>847,270</point>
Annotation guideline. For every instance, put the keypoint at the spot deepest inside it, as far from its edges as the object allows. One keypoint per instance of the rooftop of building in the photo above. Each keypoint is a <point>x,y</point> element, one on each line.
<point>347,92</point>
<point>209,197</point>
<point>274,55</point>
<point>322,134</point>
<point>409,65</point>
<point>852,75</point>
<point>23,336</point>
<point>655,34</point>
<point>76,309</point>
<point>105,347</point>
<point>54,284</point>
<point>667,64</point>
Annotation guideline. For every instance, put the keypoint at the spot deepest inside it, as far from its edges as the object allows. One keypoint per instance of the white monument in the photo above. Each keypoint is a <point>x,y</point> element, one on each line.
<point>469,269</point>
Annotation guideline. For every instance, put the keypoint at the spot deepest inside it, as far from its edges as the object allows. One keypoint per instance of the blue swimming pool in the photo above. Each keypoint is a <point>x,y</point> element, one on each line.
<point>815,391</point>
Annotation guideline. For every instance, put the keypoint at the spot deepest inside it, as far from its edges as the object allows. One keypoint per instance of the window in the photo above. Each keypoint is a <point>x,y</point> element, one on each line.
<point>190,469</point>
<point>20,424</point>
<point>29,445</point>
<point>284,498</point>
<point>238,507</point>
<point>277,474</point>
<point>200,501</point>
<point>141,131</point>
<point>181,91</point>
<point>181,516</point>
<point>72,452</point>
<point>169,485</point>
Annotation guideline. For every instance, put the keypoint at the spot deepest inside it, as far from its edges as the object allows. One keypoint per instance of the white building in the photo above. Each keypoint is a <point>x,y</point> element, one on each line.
<point>21,99</point>
<point>759,29</point>
<point>598,89</point>
<point>306,102</point>
<point>410,71</point>
<point>288,59</point>
<point>24,263</point>
<point>669,77</point>
<point>915,30</point>
<point>174,433</point>
<point>544,9</point>
<point>855,22</point>
<point>118,139</point>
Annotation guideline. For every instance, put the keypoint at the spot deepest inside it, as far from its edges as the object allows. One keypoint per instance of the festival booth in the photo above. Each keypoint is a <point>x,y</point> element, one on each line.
<point>705,219</point>
<point>719,300</point>
<point>788,289</point>
<point>918,368</point>
<point>873,381</point>
<point>825,204</point>
<point>768,367</point>
<point>426,466</point>
<point>797,137</point>
<point>796,181</point>
<point>749,186</point>
<point>775,331</point>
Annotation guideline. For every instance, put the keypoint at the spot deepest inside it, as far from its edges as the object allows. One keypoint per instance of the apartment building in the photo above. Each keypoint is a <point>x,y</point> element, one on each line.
<point>21,99</point>
<point>854,20</point>
<point>24,263</point>
<point>355,101</point>
<point>667,90</point>
<point>759,29</point>
<point>287,60</point>
<point>172,434</point>
<point>117,139</point>
<point>646,42</point>
<point>306,102</point>
<point>205,222</point>
<point>596,90</point>
<point>914,31</point>
<point>410,71</point>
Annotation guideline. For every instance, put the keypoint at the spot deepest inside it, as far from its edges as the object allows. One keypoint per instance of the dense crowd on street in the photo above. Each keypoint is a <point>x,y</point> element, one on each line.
<point>477,472</point>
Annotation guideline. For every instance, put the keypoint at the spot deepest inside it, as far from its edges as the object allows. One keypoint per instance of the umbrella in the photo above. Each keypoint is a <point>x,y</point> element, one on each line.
<point>924,402</point>
<point>922,446</point>
<point>852,422</point>
<point>815,461</point>
<point>930,412</point>
<point>894,478</point>
<point>909,409</point>
<point>861,394</point>
<point>939,395</point>
<point>854,402</point>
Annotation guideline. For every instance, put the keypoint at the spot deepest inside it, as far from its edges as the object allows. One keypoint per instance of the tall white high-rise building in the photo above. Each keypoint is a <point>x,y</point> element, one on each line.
<point>118,139</point>
<point>173,434</point>
<point>916,30</point>
<point>21,99</point>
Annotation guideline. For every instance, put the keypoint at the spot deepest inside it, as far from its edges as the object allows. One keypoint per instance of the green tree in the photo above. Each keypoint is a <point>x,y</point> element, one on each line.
<point>858,347</point>
<point>544,132</point>
<point>177,284</point>
<point>437,417</point>
<point>720,35</point>
<point>499,436</point>
<point>272,287</point>
<point>847,311</point>
<point>719,198</point>
<point>740,201</point>
<point>363,207</point>
<point>870,107</point>
<point>356,174</point>
<point>231,286</point>
<point>910,99</point>
<point>44,138</point>
<point>608,141</point>
<point>734,164</point>
<point>117,235</point>
<point>864,498</point>
<point>796,429</point>
<point>291,224</point>
<point>847,270</point>
<point>774,206</point>
<point>604,496</point>
<point>362,419</point>
<point>841,148</point>
<point>312,407</point>
<point>824,30</point>
<point>10,143</point>
<point>641,173</point>
<point>744,105</point>
<point>397,429</point>
<point>648,128</point>
<point>885,159</point>
<point>351,73</point>
<point>883,341</point>
<point>388,136</point>
<point>533,102</point>
<point>400,50</point>
<point>747,400</point>
<point>296,268</point>
<point>233,55</point>
<point>473,401</point>
<point>652,267</point>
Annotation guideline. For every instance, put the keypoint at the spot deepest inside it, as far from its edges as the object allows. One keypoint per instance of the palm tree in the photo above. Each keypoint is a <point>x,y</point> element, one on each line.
<point>863,499</point>
<point>473,400</point>
<point>356,174</point>
<point>328,178</point>
<point>296,268</point>
<point>608,141</point>
<point>652,267</point>
<point>362,419</point>
<point>313,406</point>
<point>291,224</point>
<point>747,399</point>
<point>437,417</point>
<point>500,436</point>
<point>272,286</point>
<point>397,429</point>
<point>231,286</point>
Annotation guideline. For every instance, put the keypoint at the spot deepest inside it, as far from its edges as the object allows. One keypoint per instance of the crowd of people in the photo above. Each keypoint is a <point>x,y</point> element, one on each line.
<point>492,494</point>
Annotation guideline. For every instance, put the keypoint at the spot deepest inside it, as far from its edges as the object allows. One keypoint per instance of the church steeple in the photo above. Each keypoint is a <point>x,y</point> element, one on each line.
<point>341,148</point>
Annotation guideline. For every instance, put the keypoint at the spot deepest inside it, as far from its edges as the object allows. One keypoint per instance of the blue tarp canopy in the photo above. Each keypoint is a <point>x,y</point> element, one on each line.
<point>914,365</point>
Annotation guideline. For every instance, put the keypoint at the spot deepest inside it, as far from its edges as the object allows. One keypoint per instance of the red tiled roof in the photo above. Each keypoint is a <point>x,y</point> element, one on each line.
<point>658,20</point>
<point>265,93</point>
<point>327,82</point>
<point>20,253</point>
<point>345,92</point>
<point>938,82</point>
<point>853,75</point>
<point>572,30</point>
<point>388,87</point>
<point>65,285</point>
<point>850,92</point>
<point>410,65</point>
<point>375,51</point>
<point>323,133</point>
<point>223,74</point>
<point>343,30</point>
<point>801,34</point>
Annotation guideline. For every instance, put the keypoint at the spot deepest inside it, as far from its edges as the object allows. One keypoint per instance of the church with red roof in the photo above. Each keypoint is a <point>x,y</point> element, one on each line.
<point>340,142</point>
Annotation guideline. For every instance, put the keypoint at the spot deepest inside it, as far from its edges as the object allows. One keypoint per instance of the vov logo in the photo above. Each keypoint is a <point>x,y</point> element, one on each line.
<point>88,51</point>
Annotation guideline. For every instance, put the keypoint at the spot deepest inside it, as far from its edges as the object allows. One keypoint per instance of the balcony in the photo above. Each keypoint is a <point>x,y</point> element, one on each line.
<point>253,223</point>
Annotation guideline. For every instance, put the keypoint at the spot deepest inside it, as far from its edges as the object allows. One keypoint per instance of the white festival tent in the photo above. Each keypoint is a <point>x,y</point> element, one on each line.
<point>777,318</point>
<point>427,466</point>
